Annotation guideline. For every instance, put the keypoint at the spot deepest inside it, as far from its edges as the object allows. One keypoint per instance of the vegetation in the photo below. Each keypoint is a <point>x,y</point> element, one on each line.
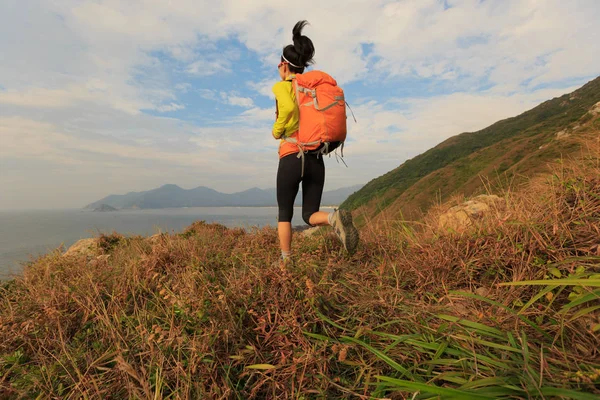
<point>507,309</point>
<point>461,159</point>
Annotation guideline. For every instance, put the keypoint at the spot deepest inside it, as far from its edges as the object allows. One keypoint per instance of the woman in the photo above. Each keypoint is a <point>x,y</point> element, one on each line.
<point>294,59</point>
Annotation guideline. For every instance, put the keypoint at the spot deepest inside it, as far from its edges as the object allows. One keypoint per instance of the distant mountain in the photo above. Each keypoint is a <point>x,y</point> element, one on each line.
<point>336,197</point>
<point>105,208</point>
<point>173,196</point>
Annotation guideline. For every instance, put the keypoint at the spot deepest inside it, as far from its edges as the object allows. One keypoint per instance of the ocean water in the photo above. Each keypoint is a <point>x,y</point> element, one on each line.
<point>25,235</point>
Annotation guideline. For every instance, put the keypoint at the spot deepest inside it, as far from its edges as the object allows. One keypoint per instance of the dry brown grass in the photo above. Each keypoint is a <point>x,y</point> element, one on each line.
<point>206,314</point>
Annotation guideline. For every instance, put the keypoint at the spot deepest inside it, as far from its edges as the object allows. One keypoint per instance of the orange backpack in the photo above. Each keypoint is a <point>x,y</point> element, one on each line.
<point>322,113</point>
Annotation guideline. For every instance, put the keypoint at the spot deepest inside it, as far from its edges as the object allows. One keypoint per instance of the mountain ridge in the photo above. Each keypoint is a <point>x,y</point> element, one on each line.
<point>173,196</point>
<point>507,150</point>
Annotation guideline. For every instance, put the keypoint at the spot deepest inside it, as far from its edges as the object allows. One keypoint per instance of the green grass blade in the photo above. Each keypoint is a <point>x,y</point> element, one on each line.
<point>328,320</point>
<point>263,367</point>
<point>401,338</point>
<point>453,377</point>
<point>480,328</point>
<point>319,337</point>
<point>525,347</point>
<point>493,381</point>
<point>447,393</point>
<point>567,282</point>
<point>488,343</point>
<point>571,394</point>
<point>537,297</point>
<point>499,392</point>
<point>438,354</point>
<point>443,362</point>
<point>583,312</point>
<point>594,295</point>
<point>510,310</point>
<point>384,357</point>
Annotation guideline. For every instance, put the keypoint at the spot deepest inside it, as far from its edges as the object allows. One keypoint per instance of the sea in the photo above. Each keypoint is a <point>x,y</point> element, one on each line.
<point>25,235</point>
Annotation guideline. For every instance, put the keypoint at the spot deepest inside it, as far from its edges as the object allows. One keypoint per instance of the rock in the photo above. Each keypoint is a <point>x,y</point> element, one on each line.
<point>310,231</point>
<point>94,262</point>
<point>482,291</point>
<point>156,238</point>
<point>462,216</point>
<point>460,309</point>
<point>562,134</point>
<point>305,230</point>
<point>84,247</point>
<point>595,110</point>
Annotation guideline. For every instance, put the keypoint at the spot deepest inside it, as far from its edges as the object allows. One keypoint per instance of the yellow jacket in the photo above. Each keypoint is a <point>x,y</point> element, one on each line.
<point>288,116</point>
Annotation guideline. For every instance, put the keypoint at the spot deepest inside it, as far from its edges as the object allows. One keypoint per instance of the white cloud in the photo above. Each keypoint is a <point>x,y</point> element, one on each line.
<point>263,87</point>
<point>230,98</point>
<point>207,94</point>
<point>183,87</point>
<point>170,107</point>
<point>245,102</point>
<point>207,67</point>
<point>235,100</point>
<point>256,114</point>
<point>28,138</point>
<point>42,97</point>
<point>499,40</point>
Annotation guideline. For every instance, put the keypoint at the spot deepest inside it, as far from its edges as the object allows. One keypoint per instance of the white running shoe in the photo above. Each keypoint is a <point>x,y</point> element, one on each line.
<point>345,230</point>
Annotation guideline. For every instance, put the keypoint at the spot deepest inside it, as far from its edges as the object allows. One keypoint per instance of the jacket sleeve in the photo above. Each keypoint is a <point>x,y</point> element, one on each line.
<point>285,108</point>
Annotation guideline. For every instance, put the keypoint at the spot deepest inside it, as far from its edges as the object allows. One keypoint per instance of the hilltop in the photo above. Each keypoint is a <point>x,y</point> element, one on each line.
<point>507,308</point>
<point>470,163</point>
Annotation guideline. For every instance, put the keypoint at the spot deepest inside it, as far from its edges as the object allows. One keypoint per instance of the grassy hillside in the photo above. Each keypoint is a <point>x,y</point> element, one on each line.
<point>460,159</point>
<point>496,168</point>
<point>508,309</point>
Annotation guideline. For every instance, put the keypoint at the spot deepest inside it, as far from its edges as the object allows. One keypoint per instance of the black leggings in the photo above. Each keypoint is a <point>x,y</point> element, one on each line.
<point>288,182</point>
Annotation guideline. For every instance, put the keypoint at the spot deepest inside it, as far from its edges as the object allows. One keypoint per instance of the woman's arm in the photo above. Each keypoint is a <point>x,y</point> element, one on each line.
<point>285,108</point>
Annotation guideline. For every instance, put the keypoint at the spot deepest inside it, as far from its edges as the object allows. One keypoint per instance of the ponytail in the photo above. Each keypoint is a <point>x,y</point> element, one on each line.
<point>300,54</point>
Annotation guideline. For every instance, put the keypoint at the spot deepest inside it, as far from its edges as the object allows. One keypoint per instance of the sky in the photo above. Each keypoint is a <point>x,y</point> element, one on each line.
<point>102,97</point>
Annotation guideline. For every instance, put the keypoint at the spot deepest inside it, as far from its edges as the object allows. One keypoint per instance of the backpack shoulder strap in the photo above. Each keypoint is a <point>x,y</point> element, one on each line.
<point>296,90</point>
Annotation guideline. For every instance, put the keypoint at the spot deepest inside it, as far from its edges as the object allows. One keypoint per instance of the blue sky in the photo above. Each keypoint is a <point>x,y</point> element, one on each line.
<point>105,96</point>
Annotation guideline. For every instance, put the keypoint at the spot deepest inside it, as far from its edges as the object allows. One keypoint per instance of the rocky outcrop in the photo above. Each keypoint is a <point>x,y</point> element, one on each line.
<point>84,247</point>
<point>158,238</point>
<point>562,134</point>
<point>462,216</point>
<point>311,231</point>
<point>305,230</point>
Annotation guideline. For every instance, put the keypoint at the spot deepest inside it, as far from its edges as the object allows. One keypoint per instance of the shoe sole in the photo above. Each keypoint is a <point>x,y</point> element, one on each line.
<point>351,237</point>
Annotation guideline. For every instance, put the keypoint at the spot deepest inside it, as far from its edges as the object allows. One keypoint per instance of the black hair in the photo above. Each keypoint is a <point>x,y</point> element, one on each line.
<point>300,53</point>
